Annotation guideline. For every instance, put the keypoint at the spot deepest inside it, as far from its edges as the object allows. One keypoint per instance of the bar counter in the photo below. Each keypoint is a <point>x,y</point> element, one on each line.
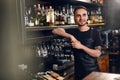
<point>102,76</point>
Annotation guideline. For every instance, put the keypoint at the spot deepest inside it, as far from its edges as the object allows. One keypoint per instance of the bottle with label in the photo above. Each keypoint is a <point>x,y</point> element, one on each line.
<point>64,14</point>
<point>100,17</point>
<point>50,17</point>
<point>41,15</point>
<point>93,16</point>
<point>35,15</point>
<point>71,16</point>
<point>30,17</point>
<point>57,16</point>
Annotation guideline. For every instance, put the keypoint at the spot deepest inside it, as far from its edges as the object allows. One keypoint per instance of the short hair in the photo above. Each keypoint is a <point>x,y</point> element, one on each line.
<point>80,7</point>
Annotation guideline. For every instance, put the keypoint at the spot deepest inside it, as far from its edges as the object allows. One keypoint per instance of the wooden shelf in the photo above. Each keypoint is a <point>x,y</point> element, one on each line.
<point>97,24</point>
<point>37,28</point>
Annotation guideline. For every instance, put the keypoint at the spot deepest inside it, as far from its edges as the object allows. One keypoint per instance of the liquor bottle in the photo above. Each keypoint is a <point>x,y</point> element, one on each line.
<point>30,17</point>
<point>95,16</point>
<point>100,17</point>
<point>92,16</point>
<point>35,15</point>
<point>46,16</point>
<point>50,17</point>
<point>89,17</point>
<point>64,14</point>
<point>26,18</point>
<point>42,15</point>
<point>57,17</point>
<point>61,17</point>
<point>71,16</point>
<point>34,11</point>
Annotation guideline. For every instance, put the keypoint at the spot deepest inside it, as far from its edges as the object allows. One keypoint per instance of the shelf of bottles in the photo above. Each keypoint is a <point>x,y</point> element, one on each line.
<point>56,47</point>
<point>44,15</point>
<point>53,54</point>
<point>56,51</point>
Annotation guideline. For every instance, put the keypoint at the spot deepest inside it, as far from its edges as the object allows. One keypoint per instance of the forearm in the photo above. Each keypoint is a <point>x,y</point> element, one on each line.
<point>63,33</point>
<point>66,35</point>
<point>60,32</point>
<point>92,52</point>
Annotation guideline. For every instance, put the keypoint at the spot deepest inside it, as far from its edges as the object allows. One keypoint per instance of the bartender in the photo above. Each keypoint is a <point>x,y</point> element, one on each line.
<point>86,43</point>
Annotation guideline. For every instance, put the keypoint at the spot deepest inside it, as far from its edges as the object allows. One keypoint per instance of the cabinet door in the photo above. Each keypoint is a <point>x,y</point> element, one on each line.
<point>104,63</point>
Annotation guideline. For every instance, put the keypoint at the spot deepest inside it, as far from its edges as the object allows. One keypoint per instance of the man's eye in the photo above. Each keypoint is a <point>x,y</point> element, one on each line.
<point>84,14</point>
<point>78,15</point>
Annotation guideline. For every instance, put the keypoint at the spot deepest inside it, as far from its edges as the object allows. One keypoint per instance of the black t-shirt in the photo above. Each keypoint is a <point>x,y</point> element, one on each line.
<point>83,36</point>
<point>84,63</point>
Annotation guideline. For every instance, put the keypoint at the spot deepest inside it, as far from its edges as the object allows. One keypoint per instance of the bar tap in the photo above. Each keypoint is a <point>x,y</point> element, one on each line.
<point>106,38</point>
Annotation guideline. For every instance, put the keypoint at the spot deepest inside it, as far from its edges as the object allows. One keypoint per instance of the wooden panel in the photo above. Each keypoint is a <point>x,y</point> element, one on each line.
<point>104,63</point>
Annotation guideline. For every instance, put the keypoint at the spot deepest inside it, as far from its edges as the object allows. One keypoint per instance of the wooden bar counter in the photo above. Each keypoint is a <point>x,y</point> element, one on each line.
<point>102,76</point>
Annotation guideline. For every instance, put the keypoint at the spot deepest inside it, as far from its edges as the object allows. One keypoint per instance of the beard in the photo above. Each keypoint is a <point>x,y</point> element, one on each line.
<point>82,24</point>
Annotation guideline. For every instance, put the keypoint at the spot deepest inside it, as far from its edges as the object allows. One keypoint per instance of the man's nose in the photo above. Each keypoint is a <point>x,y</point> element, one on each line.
<point>81,17</point>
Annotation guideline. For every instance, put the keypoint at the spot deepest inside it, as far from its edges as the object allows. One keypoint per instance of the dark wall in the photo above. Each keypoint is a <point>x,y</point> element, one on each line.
<point>112,13</point>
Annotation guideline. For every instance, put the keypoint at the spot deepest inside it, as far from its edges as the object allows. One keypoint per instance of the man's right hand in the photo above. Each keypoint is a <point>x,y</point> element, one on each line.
<point>73,39</point>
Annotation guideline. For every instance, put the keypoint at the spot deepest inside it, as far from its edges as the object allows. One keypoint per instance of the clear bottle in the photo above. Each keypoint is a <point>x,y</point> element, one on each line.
<point>57,15</point>
<point>39,15</point>
<point>64,14</point>
<point>42,16</point>
<point>34,11</point>
<point>26,18</point>
<point>35,15</point>
<point>70,17</point>
<point>30,17</point>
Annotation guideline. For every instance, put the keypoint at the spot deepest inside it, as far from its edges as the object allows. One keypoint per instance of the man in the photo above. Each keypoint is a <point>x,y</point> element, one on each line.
<point>85,42</point>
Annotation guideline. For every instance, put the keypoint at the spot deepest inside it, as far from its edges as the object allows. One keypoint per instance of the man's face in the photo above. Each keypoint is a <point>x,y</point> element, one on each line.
<point>81,17</point>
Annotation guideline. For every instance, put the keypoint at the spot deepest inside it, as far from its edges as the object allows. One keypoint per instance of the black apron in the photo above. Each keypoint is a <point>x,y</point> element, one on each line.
<point>84,63</point>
